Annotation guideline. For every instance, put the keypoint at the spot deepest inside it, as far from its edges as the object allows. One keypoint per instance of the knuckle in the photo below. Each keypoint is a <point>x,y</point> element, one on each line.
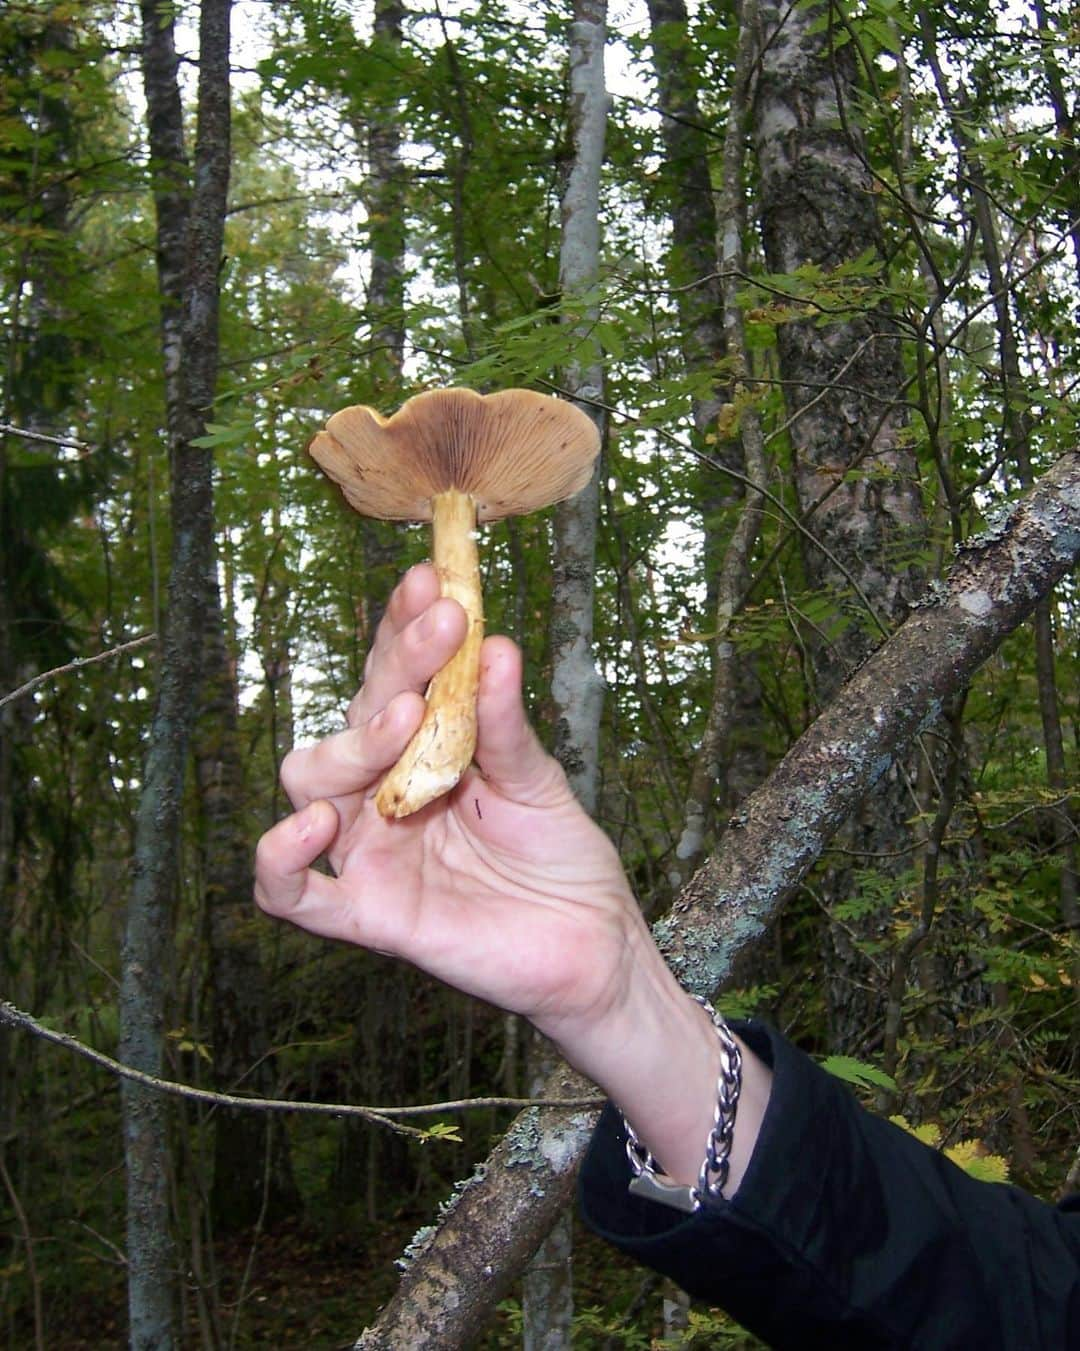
<point>292,771</point>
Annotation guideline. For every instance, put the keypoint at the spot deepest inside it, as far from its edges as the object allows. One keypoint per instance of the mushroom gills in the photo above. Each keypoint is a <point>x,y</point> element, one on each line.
<point>442,747</point>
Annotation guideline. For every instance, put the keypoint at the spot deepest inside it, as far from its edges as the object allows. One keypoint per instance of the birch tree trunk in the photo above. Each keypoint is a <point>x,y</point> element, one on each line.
<point>189,245</point>
<point>576,687</point>
<point>728,706</point>
<point>856,479</point>
<point>372,1162</point>
<point>457,1273</point>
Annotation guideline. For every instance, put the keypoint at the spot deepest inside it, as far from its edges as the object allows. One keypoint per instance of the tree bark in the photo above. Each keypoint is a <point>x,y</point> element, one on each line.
<point>856,477</point>
<point>576,687</point>
<point>189,246</point>
<point>466,1265</point>
<point>842,381</point>
<point>733,576</point>
<point>1018,428</point>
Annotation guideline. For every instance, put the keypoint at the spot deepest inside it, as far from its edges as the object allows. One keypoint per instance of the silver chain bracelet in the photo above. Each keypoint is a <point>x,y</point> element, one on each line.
<point>712,1179</point>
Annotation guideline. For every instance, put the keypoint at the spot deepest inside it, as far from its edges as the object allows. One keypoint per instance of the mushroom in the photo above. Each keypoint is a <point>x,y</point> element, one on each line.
<point>453,457</point>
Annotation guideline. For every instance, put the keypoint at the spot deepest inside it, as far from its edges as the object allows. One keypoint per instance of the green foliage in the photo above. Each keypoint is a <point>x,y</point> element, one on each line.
<point>857,1072</point>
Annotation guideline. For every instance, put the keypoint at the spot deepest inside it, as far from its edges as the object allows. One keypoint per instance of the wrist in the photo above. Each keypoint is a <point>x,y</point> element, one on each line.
<point>655,1052</point>
<point>639,1006</point>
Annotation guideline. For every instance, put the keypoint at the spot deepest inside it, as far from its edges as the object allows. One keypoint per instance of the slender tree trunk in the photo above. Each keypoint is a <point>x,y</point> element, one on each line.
<point>35,390</point>
<point>370,1162</point>
<point>687,183</point>
<point>729,678</point>
<point>856,479</point>
<point>189,246</point>
<point>577,689</point>
<point>694,269</point>
<point>1018,427</point>
<point>1065,120</point>
<point>384,196</point>
<point>8,1093</point>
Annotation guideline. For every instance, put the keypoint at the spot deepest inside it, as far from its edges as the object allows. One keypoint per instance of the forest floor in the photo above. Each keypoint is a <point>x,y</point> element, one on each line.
<point>302,1289</point>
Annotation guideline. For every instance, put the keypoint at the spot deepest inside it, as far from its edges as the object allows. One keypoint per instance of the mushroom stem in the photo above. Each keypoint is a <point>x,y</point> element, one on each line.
<point>442,746</point>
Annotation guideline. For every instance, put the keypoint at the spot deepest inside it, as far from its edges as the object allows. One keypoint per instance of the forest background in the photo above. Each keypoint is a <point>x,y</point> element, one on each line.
<point>814,270</point>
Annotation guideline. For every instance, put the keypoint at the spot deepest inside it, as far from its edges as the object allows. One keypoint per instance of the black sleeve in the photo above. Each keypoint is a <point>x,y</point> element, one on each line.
<point>846,1232</point>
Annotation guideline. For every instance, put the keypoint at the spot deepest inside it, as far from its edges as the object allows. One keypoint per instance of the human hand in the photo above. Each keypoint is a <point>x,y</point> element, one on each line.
<point>504,888</point>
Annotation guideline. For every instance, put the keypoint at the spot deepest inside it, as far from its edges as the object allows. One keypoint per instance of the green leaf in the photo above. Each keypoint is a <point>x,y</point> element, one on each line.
<point>444,1130</point>
<point>225,434</point>
<point>858,1072</point>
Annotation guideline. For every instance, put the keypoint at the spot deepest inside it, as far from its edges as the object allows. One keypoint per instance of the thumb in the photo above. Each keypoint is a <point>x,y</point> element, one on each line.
<point>508,751</point>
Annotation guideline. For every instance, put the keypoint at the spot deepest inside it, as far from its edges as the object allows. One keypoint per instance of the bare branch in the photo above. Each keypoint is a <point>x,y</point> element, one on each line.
<point>382,1116</point>
<point>75,665</point>
<point>64,442</point>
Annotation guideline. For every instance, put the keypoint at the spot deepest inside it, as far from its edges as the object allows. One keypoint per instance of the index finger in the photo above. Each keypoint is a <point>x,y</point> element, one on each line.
<point>418,589</point>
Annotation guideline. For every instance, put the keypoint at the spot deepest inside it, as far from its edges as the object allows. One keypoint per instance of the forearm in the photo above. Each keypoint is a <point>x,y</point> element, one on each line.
<point>656,1054</point>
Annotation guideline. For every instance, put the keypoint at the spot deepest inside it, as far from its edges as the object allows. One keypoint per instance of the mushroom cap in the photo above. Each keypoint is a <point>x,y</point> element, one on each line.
<point>513,452</point>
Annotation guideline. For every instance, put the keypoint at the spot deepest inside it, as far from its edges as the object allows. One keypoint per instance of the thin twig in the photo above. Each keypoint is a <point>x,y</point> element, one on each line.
<point>75,665</point>
<point>65,442</point>
<point>383,1116</point>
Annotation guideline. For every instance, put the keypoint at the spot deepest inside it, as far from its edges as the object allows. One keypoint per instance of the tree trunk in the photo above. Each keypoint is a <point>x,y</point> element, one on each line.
<point>693,268</point>
<point>1018,427</point>
<point>384,197</point>
<point>856,479</point>
<point>189,248</point>
<point>372,1163</point>
<point>1065,120</point>
<point>576,686</point>
<point>729,706</point>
